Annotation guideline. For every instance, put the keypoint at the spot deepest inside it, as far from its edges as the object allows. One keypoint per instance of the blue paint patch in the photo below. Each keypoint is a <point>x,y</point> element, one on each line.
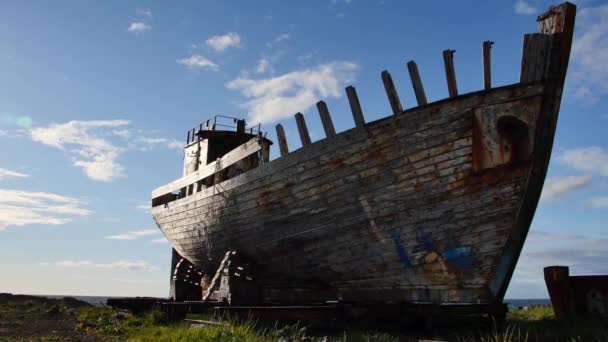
<point>458,257</point>
<point>428,244</point>
<point>400,250</point>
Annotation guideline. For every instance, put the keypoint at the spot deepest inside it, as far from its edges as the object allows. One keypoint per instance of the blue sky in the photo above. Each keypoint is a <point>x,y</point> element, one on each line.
<point>96,99</point>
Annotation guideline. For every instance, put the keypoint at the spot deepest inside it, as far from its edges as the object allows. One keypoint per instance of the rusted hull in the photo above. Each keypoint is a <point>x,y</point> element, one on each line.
<point>577,296</point>
<point>429,205</point>
<point>398,211</point>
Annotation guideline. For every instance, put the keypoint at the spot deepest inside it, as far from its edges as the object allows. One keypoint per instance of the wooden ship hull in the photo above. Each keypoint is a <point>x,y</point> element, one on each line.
<point>429,205</point>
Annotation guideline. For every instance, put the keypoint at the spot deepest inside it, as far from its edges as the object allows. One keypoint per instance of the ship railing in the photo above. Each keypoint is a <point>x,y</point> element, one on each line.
<point>221,122</point>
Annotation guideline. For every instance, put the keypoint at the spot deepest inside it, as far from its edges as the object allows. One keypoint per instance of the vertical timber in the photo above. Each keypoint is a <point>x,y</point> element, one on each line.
<point>416,83</point>
<point>355,106</point>
<point>283,148</point>
<point>328,125</point>
<point>391,93</point>
<point>450,74</point>
<point>303,130</point>
<point>487,65</point>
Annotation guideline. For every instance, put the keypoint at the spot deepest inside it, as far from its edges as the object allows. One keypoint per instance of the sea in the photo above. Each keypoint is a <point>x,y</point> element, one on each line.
<point>512,303</point>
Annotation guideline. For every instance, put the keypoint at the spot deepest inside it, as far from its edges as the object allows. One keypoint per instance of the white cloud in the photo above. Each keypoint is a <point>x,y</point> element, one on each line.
<point>588,78</point>
<point>123,133</point>
<point>83,141</point>
<point>198,61</point>
<point>144,207</point>
<point>523,8</point>
<point>144,13</point>
<point>138,27</point>
<point>222,42</point>
<point>92,145</point>
<point>558,186</point>
<point>599,202</point>
<point>278,39</point>
<point>161,240</point>
<point>116,265</point>
<point>4,173</point>
<point>282,37</point>
<point>175,145</point>
<point>580,252</point>
<point>133,234</point>
<point>271,99</point>
<point>263,66</point>
<point>144,143</point>
<point>593,160</point>
<point>20,208</point>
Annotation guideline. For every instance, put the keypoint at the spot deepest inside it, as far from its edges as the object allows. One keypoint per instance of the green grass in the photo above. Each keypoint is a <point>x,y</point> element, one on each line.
<point>533,324</point>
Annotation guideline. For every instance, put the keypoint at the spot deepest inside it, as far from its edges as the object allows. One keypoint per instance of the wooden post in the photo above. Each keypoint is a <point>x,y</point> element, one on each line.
<point>391,92</point>
<point>355,106</point>
<point>282,141</point>
<point>416,83</point>
<point>534,61</point>
<point>487,74</point>
<point>303,130</point>
<point>328,125</point>
<point>450,75</point>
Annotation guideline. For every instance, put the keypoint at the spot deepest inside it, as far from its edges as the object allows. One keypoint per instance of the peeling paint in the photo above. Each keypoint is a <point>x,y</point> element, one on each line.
<point>400,250</point>
<point>458,257</point>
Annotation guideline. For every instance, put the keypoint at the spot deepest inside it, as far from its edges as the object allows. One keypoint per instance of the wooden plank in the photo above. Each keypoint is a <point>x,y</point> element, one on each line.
<point>440,214</point>
<point>535,57</point>
<point>416,83</point>
<point>303,130</point>
<point>358,159</point>
<point>306,188</point>
<point>245,150</point>
<point>450,74</point>
<point>328,125</point>
<point>418,174</point>
<point>355,106</point>
<point>391,93</point>
<point>487,70</point>
<point>282,141</point>
<point>257,179</point>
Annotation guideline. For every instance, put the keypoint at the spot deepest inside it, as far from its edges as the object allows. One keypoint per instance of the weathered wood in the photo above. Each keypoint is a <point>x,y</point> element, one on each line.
<point>416,83</point>
<point>247,149</point>
<point>306,189</point>
<point>418,121</point>
<point>535,58</point>
<point>283,148</point>
<point>391,92</point>
<point>355,107</point>
<point>328,125</point>
<point>396,178</point>
<point>397,210</point>
<point>303,130</point>
<point>359,154</point>
<point>450,74</point>
<point>559,23</point>
<point>487,70</point>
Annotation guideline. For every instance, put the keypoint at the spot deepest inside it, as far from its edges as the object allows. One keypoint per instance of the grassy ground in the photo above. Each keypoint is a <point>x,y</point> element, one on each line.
<point>57,321</point>
<point>533,324</point>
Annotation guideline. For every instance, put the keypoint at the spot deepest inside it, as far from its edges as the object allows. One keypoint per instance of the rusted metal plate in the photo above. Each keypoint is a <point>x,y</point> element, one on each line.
<point>572,296</point>
<point>502,133</point>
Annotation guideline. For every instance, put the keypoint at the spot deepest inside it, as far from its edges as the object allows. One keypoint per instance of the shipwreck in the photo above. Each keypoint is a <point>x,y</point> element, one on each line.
<point>428,206</point>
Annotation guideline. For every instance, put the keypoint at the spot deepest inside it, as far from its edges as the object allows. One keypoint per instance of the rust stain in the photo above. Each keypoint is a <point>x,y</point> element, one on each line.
<point>477,145</point>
